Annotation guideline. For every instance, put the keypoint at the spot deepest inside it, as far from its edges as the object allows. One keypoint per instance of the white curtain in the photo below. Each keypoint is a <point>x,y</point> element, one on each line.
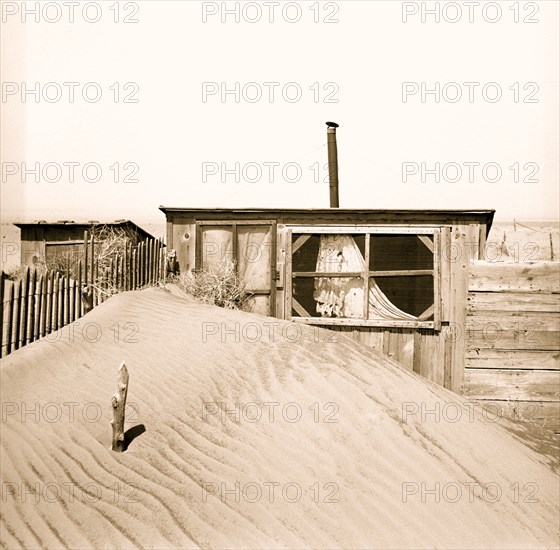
<point>344,296</point>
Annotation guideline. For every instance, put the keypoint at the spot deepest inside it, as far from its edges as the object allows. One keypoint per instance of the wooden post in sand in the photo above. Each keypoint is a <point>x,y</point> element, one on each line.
<point>119,402</point>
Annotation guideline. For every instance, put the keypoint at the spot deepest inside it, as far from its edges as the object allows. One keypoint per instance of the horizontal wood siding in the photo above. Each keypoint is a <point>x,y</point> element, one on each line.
<point>513,338</point>
<point>542,277</point>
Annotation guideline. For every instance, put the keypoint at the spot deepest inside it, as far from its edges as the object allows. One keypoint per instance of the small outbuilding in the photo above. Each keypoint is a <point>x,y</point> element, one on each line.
<point>396,279</point>
<point>42,240</point>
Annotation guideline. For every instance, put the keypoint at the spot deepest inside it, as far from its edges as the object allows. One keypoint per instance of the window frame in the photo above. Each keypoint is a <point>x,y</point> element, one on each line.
<point>368,230</point>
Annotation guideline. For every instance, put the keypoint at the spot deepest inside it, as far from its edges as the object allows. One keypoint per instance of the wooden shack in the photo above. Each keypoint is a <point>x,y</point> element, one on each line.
<point>396,279</point>
<point>41,240</point>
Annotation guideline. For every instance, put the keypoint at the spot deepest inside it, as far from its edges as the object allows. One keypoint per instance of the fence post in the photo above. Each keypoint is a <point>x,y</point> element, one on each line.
<point>23,309</point>
<point>17,314</point>
<point>2,314</point>
<point>158,262</point>
<point>145,275</point>
<point>71,300</point>
<point>67,299</point>
<point>134,262</point>
<point>62,293</point>
<point>98,282</point>
<point>116,275</point>
<point>31,307</point>
<point>78,304</point>
<point>48,310</point>
<point>86,238</point>
<point>9,320</point>
<point>118,403</point>
<point>56,283</point>
<point>139,266</point>
<point>41,307</point>
<point>92,278</point>
<point>152,260</point>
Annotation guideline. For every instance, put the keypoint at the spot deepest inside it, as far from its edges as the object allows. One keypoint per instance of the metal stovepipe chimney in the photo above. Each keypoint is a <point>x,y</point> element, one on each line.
<point>333,163</point>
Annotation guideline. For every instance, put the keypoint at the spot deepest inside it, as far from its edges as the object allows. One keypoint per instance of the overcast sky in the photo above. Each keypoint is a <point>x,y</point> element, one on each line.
<point>185,106</point>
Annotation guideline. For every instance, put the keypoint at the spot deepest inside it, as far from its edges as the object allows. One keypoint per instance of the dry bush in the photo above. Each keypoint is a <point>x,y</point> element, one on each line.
<point>218,285</point>
<point>109,241</point>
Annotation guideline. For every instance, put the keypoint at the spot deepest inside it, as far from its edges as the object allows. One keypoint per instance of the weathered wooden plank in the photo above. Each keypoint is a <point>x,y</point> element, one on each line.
<point>367,246</point>
<point>72,301</point>
<point>116,273</point>
<point>40,328</point>
<point>514,320</point>
<point>134,270</point>
<point>473,239</point>
<point>2,286</point>
<point>515,301</point>
<point>445,271</point>
<point>78,304</point>
<point>16,316</point>
<point>93,274</point>
<point>86,253</point>
<point>67,298</point>
<point>61,292</point>
<point>458,296</point>
<point>501,359</point>
<point>288,282</point>
<point>447,337</point>
<point>371,338</point>
<point>544,414</point>
<point>399,345</point>
<point>24,308</point>
<point>49,305</point>
<point>363,322</point>
<point>417,363</point>
<point>31,306</point>
<point>7,345</point>
<point>437,281</point>
<point>55,302</point>
<point>503,277</point>
<point>492,336</point>
<point>150,261</point>
<point>511,384</point>
<point>428,356</point>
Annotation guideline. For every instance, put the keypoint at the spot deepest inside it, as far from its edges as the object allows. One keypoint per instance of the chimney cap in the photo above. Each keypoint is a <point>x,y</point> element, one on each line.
<point>332,124</point>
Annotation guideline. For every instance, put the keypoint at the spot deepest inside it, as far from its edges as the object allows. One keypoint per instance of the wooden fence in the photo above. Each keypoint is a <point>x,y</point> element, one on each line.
<point>43,302</point>
<point>513,340</point>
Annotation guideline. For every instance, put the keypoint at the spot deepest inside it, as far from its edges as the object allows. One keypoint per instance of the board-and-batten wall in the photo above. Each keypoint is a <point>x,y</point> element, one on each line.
<point>436,355</point>
<point>513,341</point>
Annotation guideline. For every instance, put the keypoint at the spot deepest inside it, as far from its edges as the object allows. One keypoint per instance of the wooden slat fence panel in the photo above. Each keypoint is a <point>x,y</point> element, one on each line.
<point>41,303</point>
<point>513,337</point>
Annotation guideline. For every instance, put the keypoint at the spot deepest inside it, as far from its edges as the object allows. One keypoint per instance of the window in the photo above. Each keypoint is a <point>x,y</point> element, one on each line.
<point>366,276</point>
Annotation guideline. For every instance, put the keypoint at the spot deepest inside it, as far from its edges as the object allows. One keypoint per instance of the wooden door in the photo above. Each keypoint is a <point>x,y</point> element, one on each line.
<point>251,247</point>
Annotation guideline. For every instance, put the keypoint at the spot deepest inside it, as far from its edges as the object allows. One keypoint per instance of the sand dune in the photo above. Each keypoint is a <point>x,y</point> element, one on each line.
<point>369,480</point>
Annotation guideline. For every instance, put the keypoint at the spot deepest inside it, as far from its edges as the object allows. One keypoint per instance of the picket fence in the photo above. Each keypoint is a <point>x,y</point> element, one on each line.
<point>43,302</point>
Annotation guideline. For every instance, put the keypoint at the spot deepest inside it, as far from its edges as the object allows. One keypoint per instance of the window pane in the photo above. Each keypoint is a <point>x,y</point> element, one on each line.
<point>399,252</point>
<point>334,297</point>
<point>217,246</point>
<point>253,256</point>
<point>335,253</point>
<point>411,295</point>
